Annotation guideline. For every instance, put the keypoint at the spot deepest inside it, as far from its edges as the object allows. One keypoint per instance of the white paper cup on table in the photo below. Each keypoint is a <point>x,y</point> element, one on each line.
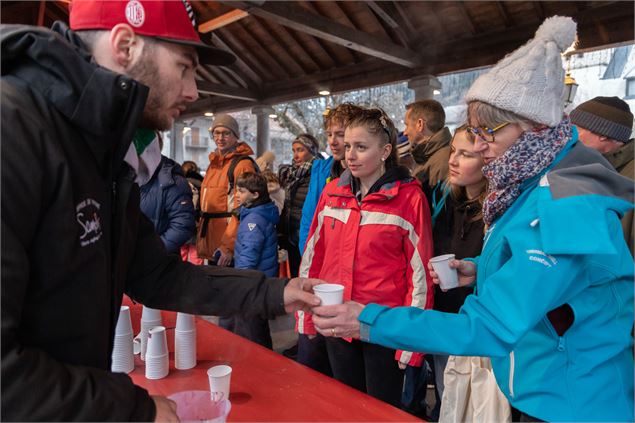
<point>329,293</point>
<point>122,351</point>
<point>150,314</point>
<point>448,276</point>
<point>150,318</point>
<point>185,322</point>
<point>185,342</point>
<point>219,381</point>
<point>157,361</point>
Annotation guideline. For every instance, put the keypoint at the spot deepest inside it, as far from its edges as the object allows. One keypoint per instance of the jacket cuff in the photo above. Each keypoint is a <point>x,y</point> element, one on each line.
<point>367,318</point>
<point>145,409</point>
<point>275,296</point>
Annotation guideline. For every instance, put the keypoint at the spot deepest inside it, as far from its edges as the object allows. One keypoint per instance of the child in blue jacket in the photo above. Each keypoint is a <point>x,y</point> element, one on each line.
<point>256,245</point>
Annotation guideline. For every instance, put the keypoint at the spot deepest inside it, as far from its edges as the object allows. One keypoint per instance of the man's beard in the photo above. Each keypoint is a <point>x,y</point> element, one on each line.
<point>146,72</point>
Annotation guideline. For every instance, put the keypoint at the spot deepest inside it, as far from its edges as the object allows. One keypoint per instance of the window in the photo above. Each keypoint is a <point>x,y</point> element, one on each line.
<point>630,88</point>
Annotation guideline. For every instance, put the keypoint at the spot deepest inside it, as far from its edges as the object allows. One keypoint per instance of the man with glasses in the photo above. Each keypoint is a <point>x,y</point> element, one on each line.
<point>217,228</point>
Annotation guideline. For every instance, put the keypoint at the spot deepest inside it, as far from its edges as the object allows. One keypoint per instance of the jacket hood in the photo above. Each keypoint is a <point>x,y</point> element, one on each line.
<point>242,149</point>
<point>268,211</point>
<point>167,170</point>
<point>621,157</point>
<point>423,151</point>
<point>56,65</point>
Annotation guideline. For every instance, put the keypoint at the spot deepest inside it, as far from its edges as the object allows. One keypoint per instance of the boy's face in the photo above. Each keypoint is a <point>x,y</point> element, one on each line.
<point>244,196</point>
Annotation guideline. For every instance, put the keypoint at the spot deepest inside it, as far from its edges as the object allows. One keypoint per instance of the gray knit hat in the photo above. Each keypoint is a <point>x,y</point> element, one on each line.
<point>308,141</point>
<point>226,121</point>
<point>530,80</point>
<point>607,116</point>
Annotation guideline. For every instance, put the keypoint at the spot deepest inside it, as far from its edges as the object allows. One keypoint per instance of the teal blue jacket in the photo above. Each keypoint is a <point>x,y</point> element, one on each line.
<point>559,243</point>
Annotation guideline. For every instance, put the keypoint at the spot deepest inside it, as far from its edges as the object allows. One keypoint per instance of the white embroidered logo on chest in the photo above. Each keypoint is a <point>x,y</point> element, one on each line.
<point>87,212</point>
<point>251,226</point>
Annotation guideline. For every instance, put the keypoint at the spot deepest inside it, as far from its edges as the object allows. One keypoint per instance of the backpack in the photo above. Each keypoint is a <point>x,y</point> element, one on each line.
<point>232,167</point>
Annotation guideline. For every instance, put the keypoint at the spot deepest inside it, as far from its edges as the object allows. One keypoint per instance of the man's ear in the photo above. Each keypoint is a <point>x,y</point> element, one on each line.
<point>256,195</point>
<point>421,125</point>
<point>125,46</point>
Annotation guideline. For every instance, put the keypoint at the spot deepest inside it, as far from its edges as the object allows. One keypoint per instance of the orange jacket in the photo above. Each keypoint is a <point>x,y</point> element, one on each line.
<point>220,232</point>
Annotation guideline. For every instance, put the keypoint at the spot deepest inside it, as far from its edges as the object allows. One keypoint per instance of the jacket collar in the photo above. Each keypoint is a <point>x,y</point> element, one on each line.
<point>387,186</point>
<point>621,157</point>
<point>242,149</point>
<point>424,150</point>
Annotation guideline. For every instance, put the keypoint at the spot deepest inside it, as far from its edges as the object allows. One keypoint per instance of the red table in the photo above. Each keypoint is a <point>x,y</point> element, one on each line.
<point>265,386</point>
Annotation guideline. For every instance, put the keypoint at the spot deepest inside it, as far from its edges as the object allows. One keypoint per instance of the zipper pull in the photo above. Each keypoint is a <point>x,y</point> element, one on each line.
<point>560,343</point>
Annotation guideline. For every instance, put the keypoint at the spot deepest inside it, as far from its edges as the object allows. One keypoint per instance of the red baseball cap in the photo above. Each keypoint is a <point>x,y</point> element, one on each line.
<point>171,21</point>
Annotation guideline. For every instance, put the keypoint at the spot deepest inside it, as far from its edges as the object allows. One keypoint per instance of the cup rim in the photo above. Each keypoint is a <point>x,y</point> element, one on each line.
<point>328,287</point>
<point>443,257</point>
<point>221,370</point>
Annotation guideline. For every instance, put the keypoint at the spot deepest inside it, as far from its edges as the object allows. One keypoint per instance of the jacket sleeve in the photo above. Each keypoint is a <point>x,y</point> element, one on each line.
<point>316,184</point>
<point>418,251</point>
<point>180,215</point>
<point>491,322</point>
<point>36,385</point>
<point>252,243</point>
<point>159,280</point>
<point>229,237</point>
<point>311,264</point>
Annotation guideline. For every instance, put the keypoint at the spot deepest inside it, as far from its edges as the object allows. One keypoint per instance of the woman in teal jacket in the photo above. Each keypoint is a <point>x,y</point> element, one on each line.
<point>553,306</point>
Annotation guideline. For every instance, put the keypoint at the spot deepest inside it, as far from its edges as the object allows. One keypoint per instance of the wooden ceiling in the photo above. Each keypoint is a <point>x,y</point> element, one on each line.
<point>289,50</point>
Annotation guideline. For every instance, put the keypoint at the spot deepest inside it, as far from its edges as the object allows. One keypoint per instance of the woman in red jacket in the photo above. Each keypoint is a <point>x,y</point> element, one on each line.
<point>371,232</point>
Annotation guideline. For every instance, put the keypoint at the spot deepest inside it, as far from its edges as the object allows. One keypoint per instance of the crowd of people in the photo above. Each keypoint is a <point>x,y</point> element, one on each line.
<point>536,206</point>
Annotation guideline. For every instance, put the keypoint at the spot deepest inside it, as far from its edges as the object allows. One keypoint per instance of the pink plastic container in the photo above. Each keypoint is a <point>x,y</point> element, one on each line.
<point>197,406</point>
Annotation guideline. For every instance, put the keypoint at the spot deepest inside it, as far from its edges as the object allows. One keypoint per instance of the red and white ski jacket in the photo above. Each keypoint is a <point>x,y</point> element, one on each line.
<point>378,249</point>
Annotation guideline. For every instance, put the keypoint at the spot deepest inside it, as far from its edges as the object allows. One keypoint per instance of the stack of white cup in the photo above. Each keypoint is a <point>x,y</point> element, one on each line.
<point>185,342</point>
<point>150,318</point>
<point>122,355</point>
<point>157,362</point>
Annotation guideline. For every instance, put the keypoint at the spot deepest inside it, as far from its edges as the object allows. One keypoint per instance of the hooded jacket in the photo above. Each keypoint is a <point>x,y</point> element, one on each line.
<point>220,232</point>
<point>74,240</point>
<point>320,176</point>
<point>167,201</point>
<point>377,248</point>
<point>559,243</point>
<point>257,239</point>
<point>432,161</point>
<point>622,161</point>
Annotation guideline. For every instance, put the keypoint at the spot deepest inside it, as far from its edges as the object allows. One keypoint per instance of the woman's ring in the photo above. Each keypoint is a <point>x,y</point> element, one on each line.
<point>333,332</point>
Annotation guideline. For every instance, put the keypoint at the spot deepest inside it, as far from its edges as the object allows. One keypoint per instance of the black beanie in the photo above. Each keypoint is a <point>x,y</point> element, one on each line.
<point>607,116</point>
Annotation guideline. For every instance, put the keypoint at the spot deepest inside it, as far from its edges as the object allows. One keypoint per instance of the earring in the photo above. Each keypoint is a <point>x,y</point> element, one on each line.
<point>383,159</point>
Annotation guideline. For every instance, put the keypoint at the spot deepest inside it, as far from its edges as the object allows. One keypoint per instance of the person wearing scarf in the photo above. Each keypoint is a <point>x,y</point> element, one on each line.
<point>553,302</point>
<point>295,181</point>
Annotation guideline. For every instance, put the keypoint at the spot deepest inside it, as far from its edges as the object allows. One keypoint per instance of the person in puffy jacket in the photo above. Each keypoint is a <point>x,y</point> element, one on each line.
<point>371,233</point>
<point>553,304</point>
<point>256,245</point>
<point>167,201</point>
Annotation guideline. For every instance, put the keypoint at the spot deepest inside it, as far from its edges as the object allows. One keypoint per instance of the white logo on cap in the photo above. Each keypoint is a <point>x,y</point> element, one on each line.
<point>135,14</point>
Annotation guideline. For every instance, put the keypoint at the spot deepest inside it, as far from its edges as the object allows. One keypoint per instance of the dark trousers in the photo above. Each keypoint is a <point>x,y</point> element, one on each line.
<point>255,329</point>
<point>312,353</point>
<point>367,367</point>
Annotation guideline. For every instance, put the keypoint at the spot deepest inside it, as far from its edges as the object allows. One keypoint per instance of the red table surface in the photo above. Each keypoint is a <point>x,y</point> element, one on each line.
<point>265,386</point>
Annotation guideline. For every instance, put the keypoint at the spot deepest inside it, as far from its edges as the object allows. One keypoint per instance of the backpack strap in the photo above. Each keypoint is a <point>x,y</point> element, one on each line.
<point>232,167</point>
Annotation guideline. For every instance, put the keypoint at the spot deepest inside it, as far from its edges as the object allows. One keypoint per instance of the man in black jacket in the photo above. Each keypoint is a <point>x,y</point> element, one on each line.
<point>73,238</point>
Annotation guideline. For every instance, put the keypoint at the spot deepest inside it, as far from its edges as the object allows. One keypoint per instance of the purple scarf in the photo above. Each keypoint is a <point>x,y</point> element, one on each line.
<point>527,157</point>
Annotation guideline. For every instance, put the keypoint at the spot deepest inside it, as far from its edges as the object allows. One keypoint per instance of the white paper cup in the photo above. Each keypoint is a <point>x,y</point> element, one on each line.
<point>157,367</point>
<point>185,322</point>
<point>124,324</point>
<point>150,314</point>
<point>122,354</point>
<point>219,379</point>
<point>329,293</point>
<point>146,325</point>
<point>157,342</point>
<point>448,277</point>
<point>184,349</point>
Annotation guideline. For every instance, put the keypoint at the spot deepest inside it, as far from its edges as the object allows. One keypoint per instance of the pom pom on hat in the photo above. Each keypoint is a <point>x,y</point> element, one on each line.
<point>530,80</point>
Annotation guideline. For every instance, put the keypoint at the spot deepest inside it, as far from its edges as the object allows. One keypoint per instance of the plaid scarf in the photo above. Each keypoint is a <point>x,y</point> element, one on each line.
<point>527,157</point>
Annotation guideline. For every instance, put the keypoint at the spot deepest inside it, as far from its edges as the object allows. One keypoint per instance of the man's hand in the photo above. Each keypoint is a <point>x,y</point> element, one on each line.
<point>466,271</point>
<point>166,410</point>
<point>298,294</point>
<point>338,320</point>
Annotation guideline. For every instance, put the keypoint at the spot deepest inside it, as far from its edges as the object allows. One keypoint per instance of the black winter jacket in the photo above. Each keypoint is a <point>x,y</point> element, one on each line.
<point>74,240</point>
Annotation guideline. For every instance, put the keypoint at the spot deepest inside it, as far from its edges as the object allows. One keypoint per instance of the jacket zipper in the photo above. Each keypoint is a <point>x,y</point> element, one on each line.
<point>511,374</point>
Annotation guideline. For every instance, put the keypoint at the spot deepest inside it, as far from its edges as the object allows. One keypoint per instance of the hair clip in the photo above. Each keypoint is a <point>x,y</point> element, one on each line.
<point>384,124</point>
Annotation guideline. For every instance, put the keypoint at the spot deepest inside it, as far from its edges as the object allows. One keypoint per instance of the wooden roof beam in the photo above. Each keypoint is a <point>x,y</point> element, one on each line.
<point>293,16</point>
<point>504,14</point>
<point>221,90</point>
<point>389,20</point>
<point>222,20</point>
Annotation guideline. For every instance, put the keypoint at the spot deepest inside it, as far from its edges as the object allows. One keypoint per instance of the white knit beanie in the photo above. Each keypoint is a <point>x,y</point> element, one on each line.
<point>530,80</point>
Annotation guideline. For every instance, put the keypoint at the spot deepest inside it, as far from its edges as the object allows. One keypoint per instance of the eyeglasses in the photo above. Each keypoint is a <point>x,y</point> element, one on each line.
<point>485,133</point>
<point>223,134</point>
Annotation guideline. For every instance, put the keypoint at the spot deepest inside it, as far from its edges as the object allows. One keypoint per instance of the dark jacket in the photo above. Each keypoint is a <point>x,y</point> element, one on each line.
<point>296,190</point>
<point>432,158</point>
<point>257,241</point>
<point>74,240</point>
<point>622,161</point>
<point>456,232</point>
<point>167,201</point>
